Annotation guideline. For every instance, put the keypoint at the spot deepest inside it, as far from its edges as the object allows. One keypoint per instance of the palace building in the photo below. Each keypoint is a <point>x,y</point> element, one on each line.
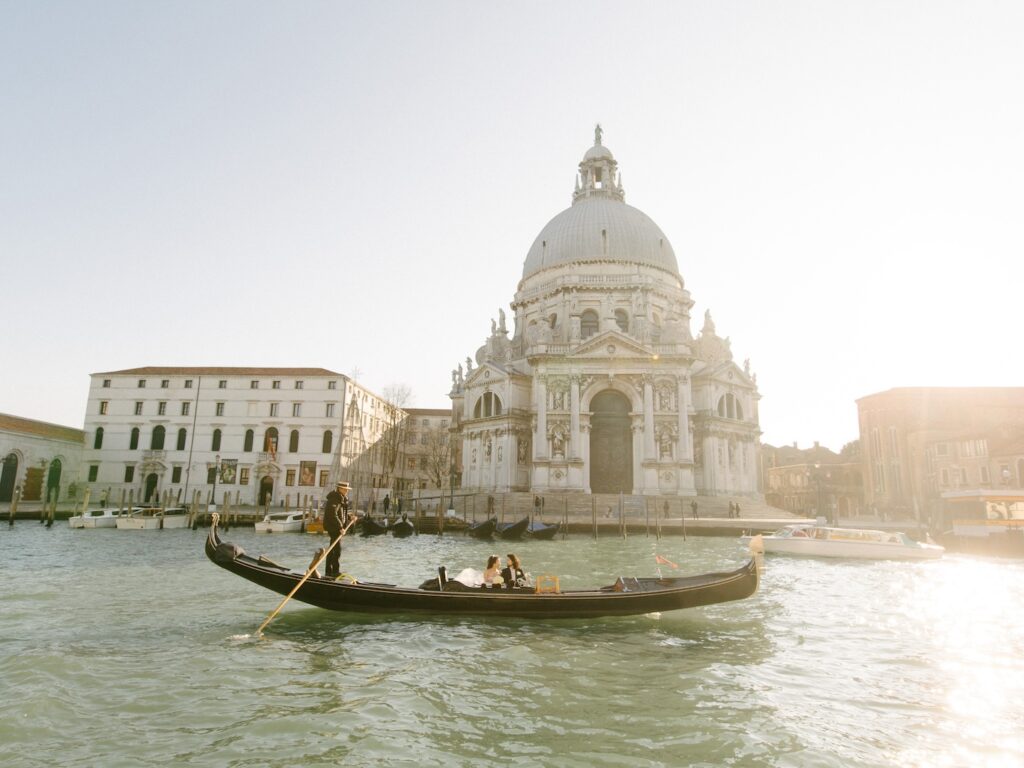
<point>600,386</point>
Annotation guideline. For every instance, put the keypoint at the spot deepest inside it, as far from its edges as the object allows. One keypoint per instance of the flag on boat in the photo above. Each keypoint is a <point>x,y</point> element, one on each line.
<point>664,561</point>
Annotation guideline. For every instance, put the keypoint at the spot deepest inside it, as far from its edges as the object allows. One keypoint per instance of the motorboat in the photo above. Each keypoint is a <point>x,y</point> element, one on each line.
<point>280,522</point>
<point>820,541</point>
<point>95,518</point>
<point>152,519</point>
<point>440,596</point>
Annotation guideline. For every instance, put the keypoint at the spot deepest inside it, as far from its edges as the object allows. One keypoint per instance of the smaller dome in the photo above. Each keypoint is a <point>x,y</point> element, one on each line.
<point>598,152</point>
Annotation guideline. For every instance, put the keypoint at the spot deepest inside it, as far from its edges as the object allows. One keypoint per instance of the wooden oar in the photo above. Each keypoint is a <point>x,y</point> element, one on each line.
<point>310,572</point>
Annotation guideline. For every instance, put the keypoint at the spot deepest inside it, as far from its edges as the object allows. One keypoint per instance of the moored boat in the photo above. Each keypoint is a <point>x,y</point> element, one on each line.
<point>280,522</point>
<point>370,527</point>
<point>512,531</point>
<point>95,518</point>
<point>625,597</point>
<point>483,530</point>
<point>541,531</point>
<point>820,541</point>
<point>403,528</point>
<point>152,519</point>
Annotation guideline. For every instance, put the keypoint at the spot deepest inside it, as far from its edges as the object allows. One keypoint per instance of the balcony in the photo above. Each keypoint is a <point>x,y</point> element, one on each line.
<point>154,455</point>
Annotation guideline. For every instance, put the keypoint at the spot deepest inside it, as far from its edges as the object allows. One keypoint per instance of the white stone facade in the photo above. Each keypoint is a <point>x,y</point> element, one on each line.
<point>38,457</point>
<point>602,387</point>
<point>275,434</point>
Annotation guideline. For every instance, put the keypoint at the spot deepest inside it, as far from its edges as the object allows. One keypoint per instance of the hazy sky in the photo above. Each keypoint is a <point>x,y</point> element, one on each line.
<point>356,185</point>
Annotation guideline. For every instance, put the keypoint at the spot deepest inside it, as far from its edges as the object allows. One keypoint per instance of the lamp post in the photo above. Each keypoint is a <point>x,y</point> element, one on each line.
<point>216,472</point>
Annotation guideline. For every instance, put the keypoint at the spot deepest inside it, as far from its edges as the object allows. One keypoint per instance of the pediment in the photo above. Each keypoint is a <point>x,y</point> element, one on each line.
<point>487,373</point>
<point>725,371</point>
<point>610,344</point>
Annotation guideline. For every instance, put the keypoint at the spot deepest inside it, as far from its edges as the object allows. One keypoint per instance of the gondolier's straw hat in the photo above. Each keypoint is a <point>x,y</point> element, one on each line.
<point>346,486</point>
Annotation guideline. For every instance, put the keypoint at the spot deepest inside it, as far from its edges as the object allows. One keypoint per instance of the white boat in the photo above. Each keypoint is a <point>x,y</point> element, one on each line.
<point>152,519</point>
<point>95,518</point>
<point>280,522</point>
<point>819,541</point>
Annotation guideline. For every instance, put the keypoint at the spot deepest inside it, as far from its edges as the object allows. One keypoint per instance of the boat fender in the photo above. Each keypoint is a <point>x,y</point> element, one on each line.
<point>226,552</point>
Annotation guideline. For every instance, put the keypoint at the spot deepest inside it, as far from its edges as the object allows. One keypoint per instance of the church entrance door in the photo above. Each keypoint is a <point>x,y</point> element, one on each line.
<point>266,490</point>
<point>611,444</point>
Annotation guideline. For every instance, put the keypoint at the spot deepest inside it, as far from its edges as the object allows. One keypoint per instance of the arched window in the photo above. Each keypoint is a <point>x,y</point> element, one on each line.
<point>489,404</point>
<point>729,407</point>
<point>215,446</point>
<point>156,441</point>
<point>133,441</point>
<point>588,323</point>
<point>249,437</point>
<point>97,441</point>
<point>622,320</point>
<point>182,438</point>
<point>328,441</point>
<point>293,441</point>
<point>270,440</point>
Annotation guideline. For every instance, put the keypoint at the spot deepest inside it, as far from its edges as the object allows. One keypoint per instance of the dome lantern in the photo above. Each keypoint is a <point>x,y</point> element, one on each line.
<point>599,175</point>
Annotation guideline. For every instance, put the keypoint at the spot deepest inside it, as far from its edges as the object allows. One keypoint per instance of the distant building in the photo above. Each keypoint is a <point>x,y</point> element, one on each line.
<point>266,434</point>
<point>426,460</point>
<point>813,482</point>
<point>918,443</point>
<point>38,457</point>
<point>600,386</point>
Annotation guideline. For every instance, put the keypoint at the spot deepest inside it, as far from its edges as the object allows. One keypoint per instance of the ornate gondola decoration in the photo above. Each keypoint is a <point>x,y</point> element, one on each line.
<point>626,597</point>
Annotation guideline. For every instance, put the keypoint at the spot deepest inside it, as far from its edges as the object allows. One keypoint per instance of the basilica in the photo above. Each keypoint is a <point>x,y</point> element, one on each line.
<point>600,385</point>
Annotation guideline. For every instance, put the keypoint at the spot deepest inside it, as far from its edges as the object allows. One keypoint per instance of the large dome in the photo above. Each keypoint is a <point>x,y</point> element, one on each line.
<point>599,226</point>
<point>600,229</point>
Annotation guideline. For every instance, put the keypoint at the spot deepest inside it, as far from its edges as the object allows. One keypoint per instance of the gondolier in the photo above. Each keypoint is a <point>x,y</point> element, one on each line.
<point>336,507</point>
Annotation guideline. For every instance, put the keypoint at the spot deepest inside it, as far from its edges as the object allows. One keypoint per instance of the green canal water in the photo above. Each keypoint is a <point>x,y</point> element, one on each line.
<point>128,648</point>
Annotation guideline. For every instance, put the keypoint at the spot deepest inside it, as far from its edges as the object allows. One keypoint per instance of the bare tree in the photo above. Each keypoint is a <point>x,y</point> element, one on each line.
<point>438,456</point>
<point>397,397</point>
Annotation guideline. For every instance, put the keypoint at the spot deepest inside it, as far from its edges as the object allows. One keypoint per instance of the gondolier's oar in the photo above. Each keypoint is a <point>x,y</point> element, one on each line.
<point>310,572</point>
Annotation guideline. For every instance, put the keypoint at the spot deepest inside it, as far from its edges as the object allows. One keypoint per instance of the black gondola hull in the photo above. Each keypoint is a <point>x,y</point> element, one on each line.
<point>513,531</point>
<point>484,530</point>
<point>638,596</point>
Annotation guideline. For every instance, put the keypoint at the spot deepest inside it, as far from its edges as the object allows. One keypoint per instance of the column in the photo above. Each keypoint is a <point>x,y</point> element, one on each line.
<point>650,449</point>
<point>540,441</point>
<point>683,450</point>
<point>574,418</point>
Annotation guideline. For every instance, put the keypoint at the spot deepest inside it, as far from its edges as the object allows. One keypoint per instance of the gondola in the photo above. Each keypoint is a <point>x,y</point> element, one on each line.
<point>626,597</point>
<point>370,527</point>
<point>403,528</point>
<point>484,530</point>
<point>538,531</point>
<point>512,531</point>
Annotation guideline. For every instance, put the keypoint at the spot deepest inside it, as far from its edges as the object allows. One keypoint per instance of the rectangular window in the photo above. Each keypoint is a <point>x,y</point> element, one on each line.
<point>254,384</point>
<point>963,475</point>
<point>94,472</point>
<point>243,476</point>
<point>188,383</point>
<point>211,475</point>
<point>944,477</point>
<point>329,410</point>
<point>220,409</point>
<point>142,383</point>
<point>332,385</point>
<point>423,438</point>
<point>412,462</point>
<point>138,407</point>
<point>289,477</point>
<point>165,383</point>
<point>412,438</point>
<point>275,385</point>
<point>296,409</point>
<point>185,406</point>
<point>273,409</point>
<point>222,384</point>
<point>129,474</point>
<point>323,478</point>
<point>104,404</point>
<point>175,474</point>
<point>984,474</point>
<point>106,383</point>
<point>298,385</point>
<point>161,408</point>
